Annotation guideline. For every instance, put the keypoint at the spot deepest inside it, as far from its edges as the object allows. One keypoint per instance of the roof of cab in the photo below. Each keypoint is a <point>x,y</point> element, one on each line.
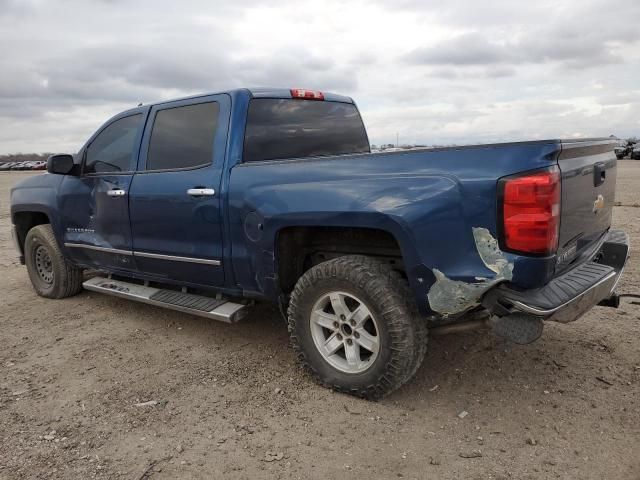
<point>260,92</point>
<point>286,93</point>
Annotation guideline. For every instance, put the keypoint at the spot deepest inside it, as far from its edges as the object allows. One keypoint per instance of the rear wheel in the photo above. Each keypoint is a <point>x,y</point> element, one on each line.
<point>355,327</point>
<point>52,276</point>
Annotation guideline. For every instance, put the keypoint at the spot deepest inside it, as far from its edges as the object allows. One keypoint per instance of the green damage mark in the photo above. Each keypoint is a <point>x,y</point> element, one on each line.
<point>449,297</point>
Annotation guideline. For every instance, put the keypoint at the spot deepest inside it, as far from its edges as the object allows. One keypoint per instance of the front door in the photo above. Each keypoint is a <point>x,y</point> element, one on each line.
<point>94,205</point>
<point>174,196</point>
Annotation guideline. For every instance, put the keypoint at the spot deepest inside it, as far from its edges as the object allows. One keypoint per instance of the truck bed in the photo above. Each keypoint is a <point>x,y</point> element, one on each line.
<point>430,200</point>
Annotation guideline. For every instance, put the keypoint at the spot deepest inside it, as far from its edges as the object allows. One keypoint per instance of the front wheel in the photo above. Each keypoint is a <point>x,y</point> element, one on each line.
<point>52,276</point>
<point>355,328</point>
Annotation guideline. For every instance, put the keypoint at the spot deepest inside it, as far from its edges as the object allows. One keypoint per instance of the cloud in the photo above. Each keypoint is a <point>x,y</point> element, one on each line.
<point>466,49</point>
<point>625,98</point>
<point>459,71</point>
<point>572,50</point>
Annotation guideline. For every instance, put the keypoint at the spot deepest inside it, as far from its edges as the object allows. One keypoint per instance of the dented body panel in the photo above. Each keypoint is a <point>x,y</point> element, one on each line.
<point>429,200</point>
<point>450,297</point>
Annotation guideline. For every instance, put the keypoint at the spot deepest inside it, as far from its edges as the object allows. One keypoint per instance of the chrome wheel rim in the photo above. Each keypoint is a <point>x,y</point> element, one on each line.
<point>345,332</point>
<point>43,264</point>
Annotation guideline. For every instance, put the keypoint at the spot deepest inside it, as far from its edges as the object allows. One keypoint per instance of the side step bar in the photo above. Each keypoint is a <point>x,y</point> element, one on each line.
<point>222,310</point>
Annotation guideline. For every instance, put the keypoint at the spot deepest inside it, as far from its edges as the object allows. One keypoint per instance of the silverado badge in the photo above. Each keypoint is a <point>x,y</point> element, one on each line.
<point>598,204</point>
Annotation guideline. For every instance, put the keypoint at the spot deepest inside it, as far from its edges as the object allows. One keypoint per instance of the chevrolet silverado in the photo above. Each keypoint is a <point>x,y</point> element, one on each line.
<point>209,203</point>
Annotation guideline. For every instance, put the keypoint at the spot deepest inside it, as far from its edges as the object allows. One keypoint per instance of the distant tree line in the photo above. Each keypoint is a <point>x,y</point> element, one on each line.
<point>24,157</point>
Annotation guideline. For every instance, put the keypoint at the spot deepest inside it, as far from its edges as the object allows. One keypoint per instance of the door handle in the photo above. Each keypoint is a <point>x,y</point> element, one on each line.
<point>117,192</point>
<point>201,192</point>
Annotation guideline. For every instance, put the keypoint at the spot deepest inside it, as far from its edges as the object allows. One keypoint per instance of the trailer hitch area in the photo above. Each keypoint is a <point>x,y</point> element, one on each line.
<point>520,328</point>
<point>613,301</point>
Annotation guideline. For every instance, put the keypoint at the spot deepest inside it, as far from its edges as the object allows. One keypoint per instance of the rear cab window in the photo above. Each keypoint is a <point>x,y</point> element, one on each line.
<point>295,128</point>
<point>183,137</point>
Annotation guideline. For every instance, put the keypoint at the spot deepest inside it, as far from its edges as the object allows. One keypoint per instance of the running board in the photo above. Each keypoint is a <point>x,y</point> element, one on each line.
<point>207,307</point>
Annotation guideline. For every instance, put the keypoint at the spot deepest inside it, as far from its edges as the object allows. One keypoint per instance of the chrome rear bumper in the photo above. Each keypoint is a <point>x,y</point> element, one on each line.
<point>568,296</point>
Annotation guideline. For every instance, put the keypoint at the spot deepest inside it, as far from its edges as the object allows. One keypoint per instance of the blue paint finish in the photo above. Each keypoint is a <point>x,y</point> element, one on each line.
<point>89,216</point>
<point>166,220</point>
<point>38,194</point>
<point>429,200</point>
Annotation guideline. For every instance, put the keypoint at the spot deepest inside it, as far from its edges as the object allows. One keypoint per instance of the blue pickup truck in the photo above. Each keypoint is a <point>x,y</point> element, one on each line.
<point>209,203</point>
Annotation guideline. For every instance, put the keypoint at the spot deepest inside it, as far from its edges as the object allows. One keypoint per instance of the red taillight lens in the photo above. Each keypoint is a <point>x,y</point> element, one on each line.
<point>306,94</point>
<point>531,212</point>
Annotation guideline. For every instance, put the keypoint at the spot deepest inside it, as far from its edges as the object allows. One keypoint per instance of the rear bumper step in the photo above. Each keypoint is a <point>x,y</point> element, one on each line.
<point>568,296</point>
<point>222,310</point>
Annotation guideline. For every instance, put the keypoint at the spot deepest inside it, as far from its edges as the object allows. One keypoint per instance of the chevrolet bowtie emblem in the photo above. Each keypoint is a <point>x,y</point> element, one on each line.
<point>598,204</point>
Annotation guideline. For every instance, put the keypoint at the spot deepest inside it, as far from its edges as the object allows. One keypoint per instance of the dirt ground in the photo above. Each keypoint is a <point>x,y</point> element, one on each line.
<point>232,403</point>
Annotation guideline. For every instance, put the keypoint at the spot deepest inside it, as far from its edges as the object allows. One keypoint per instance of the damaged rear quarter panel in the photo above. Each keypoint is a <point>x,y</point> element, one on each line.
<point>449,297</point>
<point>429,200</point>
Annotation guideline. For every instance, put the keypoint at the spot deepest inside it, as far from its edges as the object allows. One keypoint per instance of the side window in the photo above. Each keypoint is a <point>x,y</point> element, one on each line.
<point>112,149</point>
<point>182,137</point>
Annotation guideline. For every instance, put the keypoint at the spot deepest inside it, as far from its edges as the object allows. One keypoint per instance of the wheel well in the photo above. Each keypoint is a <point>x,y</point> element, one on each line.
<point>300,248</point>
<point>25,221</point>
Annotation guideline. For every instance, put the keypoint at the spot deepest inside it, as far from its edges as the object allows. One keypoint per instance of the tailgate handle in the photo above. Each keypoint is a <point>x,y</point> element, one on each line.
<point>599,173</point>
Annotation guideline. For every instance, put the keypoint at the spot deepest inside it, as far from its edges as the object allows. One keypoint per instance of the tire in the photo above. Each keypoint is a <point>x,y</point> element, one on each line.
<point>52,276</point>
<point>393,322</point>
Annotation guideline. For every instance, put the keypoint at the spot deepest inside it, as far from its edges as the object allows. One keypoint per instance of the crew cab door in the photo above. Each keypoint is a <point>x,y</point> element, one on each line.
<point>94,206</point>
<point>174,201</point>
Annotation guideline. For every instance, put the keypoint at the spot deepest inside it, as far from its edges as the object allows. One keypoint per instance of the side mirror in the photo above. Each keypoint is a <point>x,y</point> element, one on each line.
<point>60,164</point>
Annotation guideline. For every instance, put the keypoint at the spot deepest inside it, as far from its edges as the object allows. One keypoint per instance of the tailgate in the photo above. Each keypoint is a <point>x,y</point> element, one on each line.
<point>588,192</point>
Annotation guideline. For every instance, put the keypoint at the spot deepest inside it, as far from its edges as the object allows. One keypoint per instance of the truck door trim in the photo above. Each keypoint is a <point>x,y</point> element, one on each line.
<point>204,261</point>
<point>99,249</point>
<point>174,258</point>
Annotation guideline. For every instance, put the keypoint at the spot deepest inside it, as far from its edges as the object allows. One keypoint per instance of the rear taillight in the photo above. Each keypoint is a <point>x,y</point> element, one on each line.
<point>531,212</point>
<point>306,94</point>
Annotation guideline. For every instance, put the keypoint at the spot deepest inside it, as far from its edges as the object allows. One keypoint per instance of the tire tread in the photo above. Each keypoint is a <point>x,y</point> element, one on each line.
<point>69,279</point>
<point>407,329</point>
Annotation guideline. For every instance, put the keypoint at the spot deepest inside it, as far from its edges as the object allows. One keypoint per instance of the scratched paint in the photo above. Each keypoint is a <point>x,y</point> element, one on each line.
<point>450,297</point>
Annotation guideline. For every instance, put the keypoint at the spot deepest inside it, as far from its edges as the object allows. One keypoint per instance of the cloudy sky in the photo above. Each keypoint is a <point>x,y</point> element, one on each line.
<point>434,72</point>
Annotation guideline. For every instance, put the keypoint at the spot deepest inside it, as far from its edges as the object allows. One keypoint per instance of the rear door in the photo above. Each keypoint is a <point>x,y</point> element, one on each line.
<point>174,202</point>
<point>588,194</point>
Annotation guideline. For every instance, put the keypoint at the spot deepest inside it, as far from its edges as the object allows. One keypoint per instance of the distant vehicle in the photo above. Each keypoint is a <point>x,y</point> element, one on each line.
<point>273,194</point>
<point>28,165</point>
<point>39,165</point>
<point>635,152</point>
<point>621,151</point>
<point>624,149</point>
